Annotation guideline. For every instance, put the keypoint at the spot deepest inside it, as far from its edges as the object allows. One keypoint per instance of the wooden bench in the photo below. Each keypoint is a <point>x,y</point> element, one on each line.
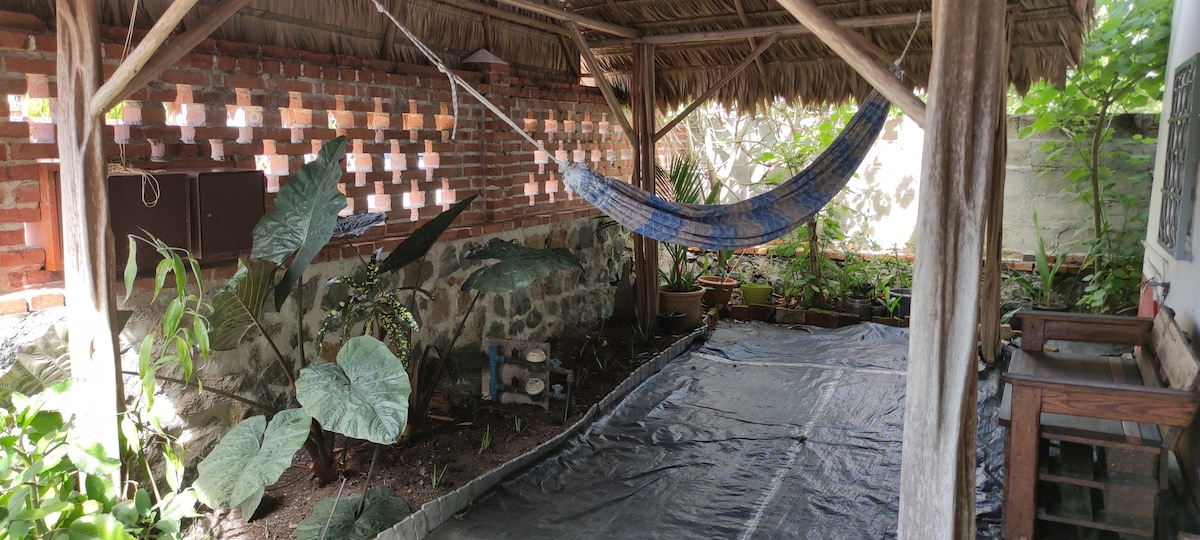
<point>1088,435</point>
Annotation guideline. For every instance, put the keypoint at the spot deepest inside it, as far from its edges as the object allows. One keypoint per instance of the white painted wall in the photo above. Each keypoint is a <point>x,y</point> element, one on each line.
<point>1184,295</point>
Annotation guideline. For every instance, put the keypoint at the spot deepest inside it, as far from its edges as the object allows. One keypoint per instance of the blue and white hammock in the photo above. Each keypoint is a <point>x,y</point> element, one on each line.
<point>747,223</point>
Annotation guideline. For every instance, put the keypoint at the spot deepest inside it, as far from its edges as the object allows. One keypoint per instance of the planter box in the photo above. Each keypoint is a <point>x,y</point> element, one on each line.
<point>830,319</point>
<point>790,316</point>
<point>739,312</point>
<point>889,321</point>
<point>762,312</point>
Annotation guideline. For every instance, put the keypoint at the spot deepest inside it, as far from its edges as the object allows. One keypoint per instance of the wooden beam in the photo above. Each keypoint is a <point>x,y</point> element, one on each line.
<point>472,5</point>
<point>837,38</point>
<point>594,66</point>
<point>766,44</point>
<point>130,77</point>
<point>937,474</point>
<point>884,57</point>
<point>89,271</point>
<point>895,19</point>
<point>140,55</point>
<point>645,250</point>
<point>563,15</point>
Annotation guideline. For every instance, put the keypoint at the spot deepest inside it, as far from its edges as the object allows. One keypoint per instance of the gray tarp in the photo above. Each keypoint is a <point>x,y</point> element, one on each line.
<point>761,432</point>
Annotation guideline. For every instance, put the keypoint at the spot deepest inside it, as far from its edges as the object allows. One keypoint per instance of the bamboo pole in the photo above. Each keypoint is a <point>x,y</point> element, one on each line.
<point>563,15</point>
<point>601,82</point>
<point>839,40</point>
<point>937,475</point>
<point>766,44</point>
<point>645,252</point>
<point>993,232</point>
<point>87,237</point>
<point>140,67</point>
<point>868,21</point>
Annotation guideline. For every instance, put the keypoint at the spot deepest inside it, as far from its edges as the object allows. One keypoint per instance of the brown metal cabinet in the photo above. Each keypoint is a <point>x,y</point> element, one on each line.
<point>157,204</point>
<point>226,204</point>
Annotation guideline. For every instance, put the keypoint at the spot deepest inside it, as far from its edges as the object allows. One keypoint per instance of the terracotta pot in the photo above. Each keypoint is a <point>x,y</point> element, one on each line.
<point>756,293</point>
<point>687,303</point>
<point>717,290</point>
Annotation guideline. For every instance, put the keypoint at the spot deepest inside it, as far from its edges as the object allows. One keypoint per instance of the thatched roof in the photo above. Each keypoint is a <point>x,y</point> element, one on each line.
<point>697,41</point>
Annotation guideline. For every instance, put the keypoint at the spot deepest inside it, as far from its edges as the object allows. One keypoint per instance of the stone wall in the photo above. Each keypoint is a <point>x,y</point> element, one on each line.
<point>566,302</point>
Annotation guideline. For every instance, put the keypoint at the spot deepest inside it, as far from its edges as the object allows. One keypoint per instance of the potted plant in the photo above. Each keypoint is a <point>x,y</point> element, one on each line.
<point>717,283</point>
<point>859,286</point>
<point>1043,295</point>
<point>680,291</point>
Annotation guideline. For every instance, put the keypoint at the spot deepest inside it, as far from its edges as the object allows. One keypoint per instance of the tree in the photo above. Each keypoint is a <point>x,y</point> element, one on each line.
<point>1124,61</point>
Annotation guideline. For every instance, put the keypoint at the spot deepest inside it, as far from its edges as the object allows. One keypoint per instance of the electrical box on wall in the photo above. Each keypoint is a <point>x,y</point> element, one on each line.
<point>209,212</point>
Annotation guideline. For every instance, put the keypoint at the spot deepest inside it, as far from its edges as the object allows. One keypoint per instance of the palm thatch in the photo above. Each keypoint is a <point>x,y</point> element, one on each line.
<point>697,41</point>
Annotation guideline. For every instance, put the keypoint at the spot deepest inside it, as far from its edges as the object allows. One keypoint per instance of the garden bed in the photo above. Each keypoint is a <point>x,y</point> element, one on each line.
<point>453,444</point>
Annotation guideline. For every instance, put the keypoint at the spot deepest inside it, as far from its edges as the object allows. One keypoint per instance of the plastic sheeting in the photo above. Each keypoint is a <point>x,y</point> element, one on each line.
<point>761,432</point>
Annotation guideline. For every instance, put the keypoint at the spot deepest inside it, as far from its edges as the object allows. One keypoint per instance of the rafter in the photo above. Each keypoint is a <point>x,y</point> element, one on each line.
<point>838,39</point>
<point>563,15</point>
<point>478,7</point>
<point>147,60</point>
<point>893,19</point>
<point>766,44</point>
<point>594,66</point>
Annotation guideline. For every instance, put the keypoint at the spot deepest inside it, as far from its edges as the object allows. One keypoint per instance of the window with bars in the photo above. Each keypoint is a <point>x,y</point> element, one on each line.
<point>1182,162</point>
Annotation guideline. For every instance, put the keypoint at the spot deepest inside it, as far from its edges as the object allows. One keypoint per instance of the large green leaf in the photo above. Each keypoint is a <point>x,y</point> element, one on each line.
<point>40,364</point>
<point>303,217</point>
<point>364,395</point>
<point>250,457</point>
<point>334,518</point>
<point>239,304</point>
<point>518,267</point>
<point>416,245</point>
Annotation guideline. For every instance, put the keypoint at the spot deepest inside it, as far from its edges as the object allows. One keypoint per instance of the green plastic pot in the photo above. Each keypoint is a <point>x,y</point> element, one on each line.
<point>756,293</point>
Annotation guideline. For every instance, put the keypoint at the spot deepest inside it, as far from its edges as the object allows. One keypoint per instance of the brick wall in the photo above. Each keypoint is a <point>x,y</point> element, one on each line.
<point>247,106</point>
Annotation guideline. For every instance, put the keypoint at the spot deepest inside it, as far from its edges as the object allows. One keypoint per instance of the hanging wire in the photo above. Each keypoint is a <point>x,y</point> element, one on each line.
<point>456,81</point>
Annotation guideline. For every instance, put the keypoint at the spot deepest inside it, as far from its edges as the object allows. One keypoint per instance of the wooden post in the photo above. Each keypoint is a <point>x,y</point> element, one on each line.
<point>1020,481</point>
<point>993,231</point>
<point>937,477</point>
<point>645,250</point>
<point>87,238</point>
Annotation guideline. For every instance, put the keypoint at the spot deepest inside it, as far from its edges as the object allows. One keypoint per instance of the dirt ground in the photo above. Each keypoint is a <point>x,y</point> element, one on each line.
<point>451,443</point>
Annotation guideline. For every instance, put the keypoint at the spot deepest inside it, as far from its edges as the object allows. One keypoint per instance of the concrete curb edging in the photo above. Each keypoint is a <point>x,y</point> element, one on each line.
<point>433,513</point>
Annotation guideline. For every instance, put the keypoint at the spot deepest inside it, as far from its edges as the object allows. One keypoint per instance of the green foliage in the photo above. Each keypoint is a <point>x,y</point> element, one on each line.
<point>39,364</point>
<point>811,278</point>
<point>486,441</point>
<point>303,216</point>
<point>374,305</point>
<point>683,183</point>
<point>518,266</point>
<point>185,329</point>
<point>340,517</point>
<point>1042,296</point>
<point>800,136</point>
<point>54,485</point>
<point>517,424</point>
<point>421,240</point>
<point>435,477</point>
<point>364,395</point>
<point>1124,61</point>
<point>250,457</point>
<point>238,306</point>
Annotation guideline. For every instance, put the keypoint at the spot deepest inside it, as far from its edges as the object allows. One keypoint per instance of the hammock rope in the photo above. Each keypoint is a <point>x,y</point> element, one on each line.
<point>743,224</point>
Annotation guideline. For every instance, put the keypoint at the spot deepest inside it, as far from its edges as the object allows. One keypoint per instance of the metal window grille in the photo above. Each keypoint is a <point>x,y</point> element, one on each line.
<point>1182,162</point>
